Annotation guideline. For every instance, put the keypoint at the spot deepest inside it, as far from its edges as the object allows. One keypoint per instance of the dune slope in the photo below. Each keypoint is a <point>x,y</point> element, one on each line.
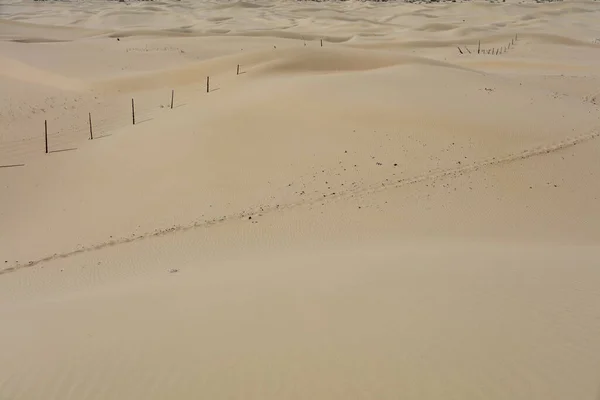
<point>388,201</point>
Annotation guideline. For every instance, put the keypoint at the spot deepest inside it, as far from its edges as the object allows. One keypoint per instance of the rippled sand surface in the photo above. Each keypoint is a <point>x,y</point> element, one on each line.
<point>362,201</point>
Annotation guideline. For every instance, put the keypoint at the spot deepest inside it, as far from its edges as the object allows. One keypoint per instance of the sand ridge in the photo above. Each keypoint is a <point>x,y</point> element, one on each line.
<point>355,191</point>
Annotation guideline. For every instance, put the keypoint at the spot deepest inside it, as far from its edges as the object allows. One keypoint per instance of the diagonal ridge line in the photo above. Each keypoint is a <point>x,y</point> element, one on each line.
<point>373,188</point>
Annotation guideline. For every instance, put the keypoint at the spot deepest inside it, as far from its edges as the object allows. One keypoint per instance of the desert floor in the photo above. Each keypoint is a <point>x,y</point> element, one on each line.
<point>389,201</point>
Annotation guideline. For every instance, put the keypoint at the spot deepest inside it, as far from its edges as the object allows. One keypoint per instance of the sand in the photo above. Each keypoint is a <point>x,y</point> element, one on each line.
<point>364,212</point>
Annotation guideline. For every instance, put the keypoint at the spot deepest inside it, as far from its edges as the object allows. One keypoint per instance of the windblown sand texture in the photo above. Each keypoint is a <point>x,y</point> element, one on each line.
<point>377,217</point>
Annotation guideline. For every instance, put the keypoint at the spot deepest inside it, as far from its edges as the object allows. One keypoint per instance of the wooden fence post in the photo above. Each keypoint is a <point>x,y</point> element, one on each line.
<point>172,94</point>
<point>207,84</point>
<point>133,111</point>
<point>91,132</point>
<point>46,134</point>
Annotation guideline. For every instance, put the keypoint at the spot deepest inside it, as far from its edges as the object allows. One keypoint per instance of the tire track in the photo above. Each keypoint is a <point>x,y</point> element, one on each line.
<point>373,188</point>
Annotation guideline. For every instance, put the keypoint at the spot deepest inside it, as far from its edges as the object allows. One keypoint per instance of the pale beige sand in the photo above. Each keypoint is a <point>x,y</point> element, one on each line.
<point>378,218</point>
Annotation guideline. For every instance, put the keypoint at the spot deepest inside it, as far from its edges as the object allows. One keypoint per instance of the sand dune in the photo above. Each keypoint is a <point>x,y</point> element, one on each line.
<point>365,211</point>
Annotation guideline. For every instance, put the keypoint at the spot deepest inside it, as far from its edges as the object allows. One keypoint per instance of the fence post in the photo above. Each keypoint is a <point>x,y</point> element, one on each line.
<point>46,134</point>
<point>207,84</point>
<point>172,94</point>
<point>238,70</point>
<point>133,111</point>
<point>479,47</point>
<point>91,132</point>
